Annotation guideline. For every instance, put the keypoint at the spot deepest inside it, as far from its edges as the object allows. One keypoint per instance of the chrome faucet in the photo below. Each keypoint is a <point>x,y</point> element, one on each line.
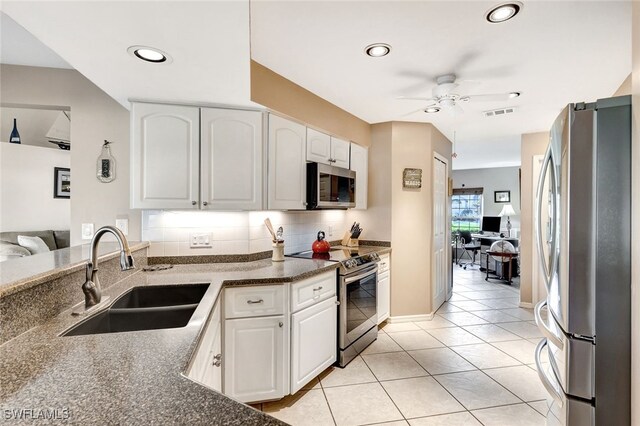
<point>91,287</point>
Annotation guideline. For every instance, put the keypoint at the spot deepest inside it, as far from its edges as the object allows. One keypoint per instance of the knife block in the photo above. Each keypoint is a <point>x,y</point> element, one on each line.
<point>353,242</point>
<point>347,241</point>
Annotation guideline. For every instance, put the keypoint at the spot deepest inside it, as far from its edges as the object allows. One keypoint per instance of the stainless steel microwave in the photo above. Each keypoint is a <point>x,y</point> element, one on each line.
<point>330,187</point>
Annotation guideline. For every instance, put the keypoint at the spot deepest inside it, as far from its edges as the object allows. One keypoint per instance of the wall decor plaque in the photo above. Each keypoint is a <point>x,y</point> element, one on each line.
<point>412,178</point>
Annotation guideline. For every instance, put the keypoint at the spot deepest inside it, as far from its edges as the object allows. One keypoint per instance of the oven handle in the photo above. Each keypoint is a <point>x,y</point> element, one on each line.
<point>365,274</point>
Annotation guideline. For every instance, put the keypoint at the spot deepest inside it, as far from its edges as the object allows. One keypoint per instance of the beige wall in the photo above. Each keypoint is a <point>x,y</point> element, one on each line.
<point>95,117</point>
<point>284,96</point>
<point>376,220</point>
<point>413,146</point>
<point>625,87</point>
<point>635,222</point>
<point>532,144</point>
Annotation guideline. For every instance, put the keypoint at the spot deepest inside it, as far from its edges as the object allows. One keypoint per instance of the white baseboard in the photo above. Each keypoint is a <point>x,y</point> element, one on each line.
<point>526,305</point>
<point>410,318</point>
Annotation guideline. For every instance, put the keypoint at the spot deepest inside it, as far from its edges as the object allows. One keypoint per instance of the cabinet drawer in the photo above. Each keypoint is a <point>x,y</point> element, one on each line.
<point>312,290</point>
<point>254,301</point>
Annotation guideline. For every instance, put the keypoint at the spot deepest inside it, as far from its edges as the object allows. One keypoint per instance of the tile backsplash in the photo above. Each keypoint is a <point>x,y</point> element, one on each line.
<point>236,232</point>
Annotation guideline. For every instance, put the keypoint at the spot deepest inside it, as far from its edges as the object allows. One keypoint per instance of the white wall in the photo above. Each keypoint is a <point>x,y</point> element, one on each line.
<point>26,188</point>
<point>95,117</point>
<point>236,232</point>
<point>493,179</point>
<point>32,123</point>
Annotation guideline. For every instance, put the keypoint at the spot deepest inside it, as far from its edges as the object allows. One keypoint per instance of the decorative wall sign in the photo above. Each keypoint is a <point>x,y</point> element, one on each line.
<point>106,166</point>
<point>412,178</point>
<point>501,196</point>
<point>61,182</point>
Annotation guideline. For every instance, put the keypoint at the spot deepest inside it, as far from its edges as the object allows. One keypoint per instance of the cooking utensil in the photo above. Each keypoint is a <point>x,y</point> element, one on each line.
<point>267,222</point>
<point>321,245</point>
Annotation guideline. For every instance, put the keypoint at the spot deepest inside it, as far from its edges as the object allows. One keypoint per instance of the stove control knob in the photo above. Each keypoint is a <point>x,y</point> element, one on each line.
<point>374,257</point>
<point>351,263</point>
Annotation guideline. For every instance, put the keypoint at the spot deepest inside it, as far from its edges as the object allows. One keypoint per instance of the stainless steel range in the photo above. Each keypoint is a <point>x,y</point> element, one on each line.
<point>357,281</point>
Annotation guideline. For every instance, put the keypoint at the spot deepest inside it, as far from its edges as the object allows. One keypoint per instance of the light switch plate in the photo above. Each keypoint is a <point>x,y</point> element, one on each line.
<point>87,231</point>
<point>123,225</point>
<point>200,240</point>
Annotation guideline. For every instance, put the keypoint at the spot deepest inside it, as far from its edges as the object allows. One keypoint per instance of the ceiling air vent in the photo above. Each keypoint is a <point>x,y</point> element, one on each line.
<point>496,112</point>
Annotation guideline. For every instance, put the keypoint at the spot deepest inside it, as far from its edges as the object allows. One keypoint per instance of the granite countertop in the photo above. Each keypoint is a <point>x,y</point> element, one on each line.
<point>134,377</point>
<point>19,274</point>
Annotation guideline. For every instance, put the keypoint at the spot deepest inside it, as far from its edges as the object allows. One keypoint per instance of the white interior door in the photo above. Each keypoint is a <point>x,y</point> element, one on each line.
<point>439,261</point>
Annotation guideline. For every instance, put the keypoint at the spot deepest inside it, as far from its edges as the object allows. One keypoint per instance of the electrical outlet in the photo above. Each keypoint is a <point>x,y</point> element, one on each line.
<point>330,230</point>
<point>87,231</point>
<point>199,240</point>
<point>123,225</point>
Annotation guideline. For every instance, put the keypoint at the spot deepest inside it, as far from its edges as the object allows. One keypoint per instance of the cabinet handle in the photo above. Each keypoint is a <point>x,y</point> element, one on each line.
<point>218,357</point>
<point>205,203</point>
<point>280,324</point>
<point>317,289</point>
<point>337,302</point>
<point>251,302</point>
<point>217,363</point>
<point>193,203</point>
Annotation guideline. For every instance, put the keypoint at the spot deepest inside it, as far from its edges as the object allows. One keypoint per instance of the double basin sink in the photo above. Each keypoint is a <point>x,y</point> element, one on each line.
<point>145,308</point>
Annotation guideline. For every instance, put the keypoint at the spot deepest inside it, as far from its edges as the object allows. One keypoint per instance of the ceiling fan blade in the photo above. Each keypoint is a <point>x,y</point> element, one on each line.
<point>410,98</point>
<point>417,110</point>
<point>493,97</point>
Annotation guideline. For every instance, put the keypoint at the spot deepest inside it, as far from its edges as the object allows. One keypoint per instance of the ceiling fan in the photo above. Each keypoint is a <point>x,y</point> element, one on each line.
<point>445,97</point>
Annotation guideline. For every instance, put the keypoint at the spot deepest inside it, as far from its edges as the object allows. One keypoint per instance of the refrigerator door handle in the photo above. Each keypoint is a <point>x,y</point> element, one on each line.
<point>554,391</point>
<point>548,269</point>
<point>544,327</point>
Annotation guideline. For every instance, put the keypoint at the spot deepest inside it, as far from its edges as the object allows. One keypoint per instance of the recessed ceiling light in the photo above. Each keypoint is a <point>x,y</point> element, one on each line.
<point>377,50</point>
<point>503,12</point>
<point>514,95</point>
<point>431,110</point>
<point>149,54</point>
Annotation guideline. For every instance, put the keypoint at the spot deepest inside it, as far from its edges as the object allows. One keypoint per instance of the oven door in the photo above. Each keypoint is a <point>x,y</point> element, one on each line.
<point>358,301</point>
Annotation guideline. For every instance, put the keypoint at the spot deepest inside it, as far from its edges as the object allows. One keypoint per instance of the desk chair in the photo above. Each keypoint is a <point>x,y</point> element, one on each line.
<point>470,247</point>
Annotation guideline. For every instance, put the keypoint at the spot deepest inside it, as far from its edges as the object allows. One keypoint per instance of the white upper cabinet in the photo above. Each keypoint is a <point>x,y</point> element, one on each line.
<point>360,164</point>
<point>325,149</point>
<point>165,151</point>
<point>287,187</point>
<point>318,147</point>
<point>231,159</point>
<point>340,152</point>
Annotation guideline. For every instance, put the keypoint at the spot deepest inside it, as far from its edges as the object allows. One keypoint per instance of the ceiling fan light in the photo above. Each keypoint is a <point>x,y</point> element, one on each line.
<point>377,50</point>
<point>431,110</point>
<point>503,12</point>
<point>514,95</point>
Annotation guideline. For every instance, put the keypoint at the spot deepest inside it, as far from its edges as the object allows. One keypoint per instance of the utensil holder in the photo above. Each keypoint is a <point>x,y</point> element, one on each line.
<point>278,252</point>
<point>353,242</point>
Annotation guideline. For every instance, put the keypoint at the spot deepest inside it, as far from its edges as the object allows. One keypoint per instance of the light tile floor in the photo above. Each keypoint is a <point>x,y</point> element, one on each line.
<point>471,365</point>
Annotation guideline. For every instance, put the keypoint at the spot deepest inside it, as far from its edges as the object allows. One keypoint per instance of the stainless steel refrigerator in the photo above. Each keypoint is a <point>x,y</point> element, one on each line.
<point>583,227</point>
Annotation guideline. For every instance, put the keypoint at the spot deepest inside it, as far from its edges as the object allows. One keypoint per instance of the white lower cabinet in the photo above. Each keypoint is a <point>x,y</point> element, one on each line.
<point>313,342</point>
<point>206,366</point>
<point>384,289</point>
<point>255,358</point>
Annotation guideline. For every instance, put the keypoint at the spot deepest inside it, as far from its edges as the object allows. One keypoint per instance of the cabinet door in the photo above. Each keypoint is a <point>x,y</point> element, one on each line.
<point>314,342</point>
<point>287,164</point>
<point>384,296</point>
<point>255,361</point>
<point>165,156</point>
<point>318,147</point>
<point>231,159</point>
<point>340,153</point>
<point>205,365</point>
<point>360,164</point>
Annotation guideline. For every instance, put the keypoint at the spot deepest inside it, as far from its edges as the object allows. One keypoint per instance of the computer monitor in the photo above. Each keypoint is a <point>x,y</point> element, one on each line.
<point>491,223</point>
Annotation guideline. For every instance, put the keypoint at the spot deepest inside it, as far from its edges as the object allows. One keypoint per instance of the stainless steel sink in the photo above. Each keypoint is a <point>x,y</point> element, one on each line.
<point>145,308</point>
